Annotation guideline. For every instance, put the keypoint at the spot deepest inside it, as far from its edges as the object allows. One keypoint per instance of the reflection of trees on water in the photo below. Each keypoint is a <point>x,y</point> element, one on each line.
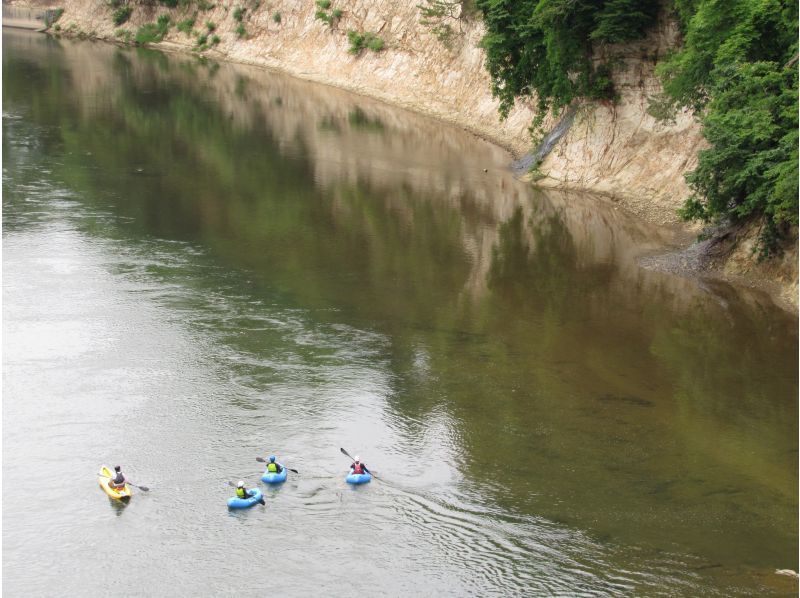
<point>538,265</point>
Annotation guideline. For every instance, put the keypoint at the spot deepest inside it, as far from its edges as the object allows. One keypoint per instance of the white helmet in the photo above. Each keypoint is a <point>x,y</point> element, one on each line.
<point>357,459</point>
<point>241,484</point>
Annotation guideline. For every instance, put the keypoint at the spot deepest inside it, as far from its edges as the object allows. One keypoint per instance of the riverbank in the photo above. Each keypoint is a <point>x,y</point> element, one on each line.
<point>617,150</point>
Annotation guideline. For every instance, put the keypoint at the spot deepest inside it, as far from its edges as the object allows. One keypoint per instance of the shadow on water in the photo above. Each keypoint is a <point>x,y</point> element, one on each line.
<point>119,506</point>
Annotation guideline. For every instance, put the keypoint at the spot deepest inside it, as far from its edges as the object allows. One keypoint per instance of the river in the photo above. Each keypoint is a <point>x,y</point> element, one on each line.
<point>204,263</point>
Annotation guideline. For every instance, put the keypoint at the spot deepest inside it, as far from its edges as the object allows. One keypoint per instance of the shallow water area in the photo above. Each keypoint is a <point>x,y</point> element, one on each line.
<point>204,263</point>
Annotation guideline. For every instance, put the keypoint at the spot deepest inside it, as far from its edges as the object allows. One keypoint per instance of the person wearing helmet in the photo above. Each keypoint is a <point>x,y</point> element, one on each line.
<point>273,466</point>
<point>358,467</point>
<point>118,481</point>
<point>241,491</point>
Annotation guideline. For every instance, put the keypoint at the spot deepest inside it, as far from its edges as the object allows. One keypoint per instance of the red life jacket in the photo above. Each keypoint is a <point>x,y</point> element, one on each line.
<point>358,468</point>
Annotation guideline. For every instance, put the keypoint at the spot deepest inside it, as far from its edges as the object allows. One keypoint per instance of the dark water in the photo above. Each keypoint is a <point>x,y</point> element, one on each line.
<point>206,263</point>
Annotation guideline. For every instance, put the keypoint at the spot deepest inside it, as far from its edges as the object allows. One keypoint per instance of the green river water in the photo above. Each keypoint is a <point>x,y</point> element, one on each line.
<point>204,263</point>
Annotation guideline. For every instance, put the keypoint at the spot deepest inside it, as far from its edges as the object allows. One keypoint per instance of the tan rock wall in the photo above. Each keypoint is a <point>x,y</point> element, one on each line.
<point>619,149</point>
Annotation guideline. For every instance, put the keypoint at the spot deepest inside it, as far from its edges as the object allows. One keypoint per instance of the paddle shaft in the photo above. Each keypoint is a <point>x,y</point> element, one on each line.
<point>143,488</point>
<point>263,460</point>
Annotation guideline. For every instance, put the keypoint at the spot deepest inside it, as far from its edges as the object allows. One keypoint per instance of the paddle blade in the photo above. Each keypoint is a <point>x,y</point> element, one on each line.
<point>261,459</point>
<point>344,452</point>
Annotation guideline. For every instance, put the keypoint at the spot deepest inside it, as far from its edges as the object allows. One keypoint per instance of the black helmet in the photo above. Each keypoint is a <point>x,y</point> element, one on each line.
<point>117,468</point>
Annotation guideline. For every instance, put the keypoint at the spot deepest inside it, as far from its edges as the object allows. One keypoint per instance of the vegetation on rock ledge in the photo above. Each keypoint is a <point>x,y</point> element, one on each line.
<point>737,70</point>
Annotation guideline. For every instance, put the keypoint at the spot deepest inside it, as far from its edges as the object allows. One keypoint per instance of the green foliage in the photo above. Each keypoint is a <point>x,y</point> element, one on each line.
<point>750,167</point>
<point>204,5</point>
<point>439,15</point>
<point>276,17</point>
<point>662,108</point>
<point>241,31</point>
<point>374,42</point>
<point>121,15</point>
<point>360,40</point>
<point>330,18</point>
<point>186,25</point>
<point>211,26</point>
<point>623,20</point>
<point>438,9</point>
<point>535,173</point>
<point>215,40</point>
<point>148,33</point>
<point>543,48</point>
<point>722,33</point>
<point>238,14</point>
<point>53,15</point>
<point>153,32</point>
<point>736,71</point>
<point>169,3</point>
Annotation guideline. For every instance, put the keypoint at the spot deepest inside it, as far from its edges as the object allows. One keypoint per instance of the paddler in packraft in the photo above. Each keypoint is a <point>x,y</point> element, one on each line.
<point>241,492</point>
<point>358,467</point>
<point>273,466</point>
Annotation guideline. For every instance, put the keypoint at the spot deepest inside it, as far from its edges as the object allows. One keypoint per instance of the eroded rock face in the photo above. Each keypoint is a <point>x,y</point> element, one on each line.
<point>617,149</point>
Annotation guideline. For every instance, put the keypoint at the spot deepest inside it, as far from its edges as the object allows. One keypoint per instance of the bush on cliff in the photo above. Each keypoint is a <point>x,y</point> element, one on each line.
<point>543,48</point>
<point>360,40</point>
<point>153,32</point>
<point>121,15</point>
<point>738,71</point>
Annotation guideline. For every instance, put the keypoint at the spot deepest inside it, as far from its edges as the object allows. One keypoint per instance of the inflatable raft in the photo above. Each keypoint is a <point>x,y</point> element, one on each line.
<point>358,478</point>
<point>244,503</point>
<point>274,478</point>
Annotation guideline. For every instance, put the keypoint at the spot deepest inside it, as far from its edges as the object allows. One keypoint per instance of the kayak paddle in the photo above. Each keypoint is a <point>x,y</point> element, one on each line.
<point>142,488</point>
<point>263,460</point>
